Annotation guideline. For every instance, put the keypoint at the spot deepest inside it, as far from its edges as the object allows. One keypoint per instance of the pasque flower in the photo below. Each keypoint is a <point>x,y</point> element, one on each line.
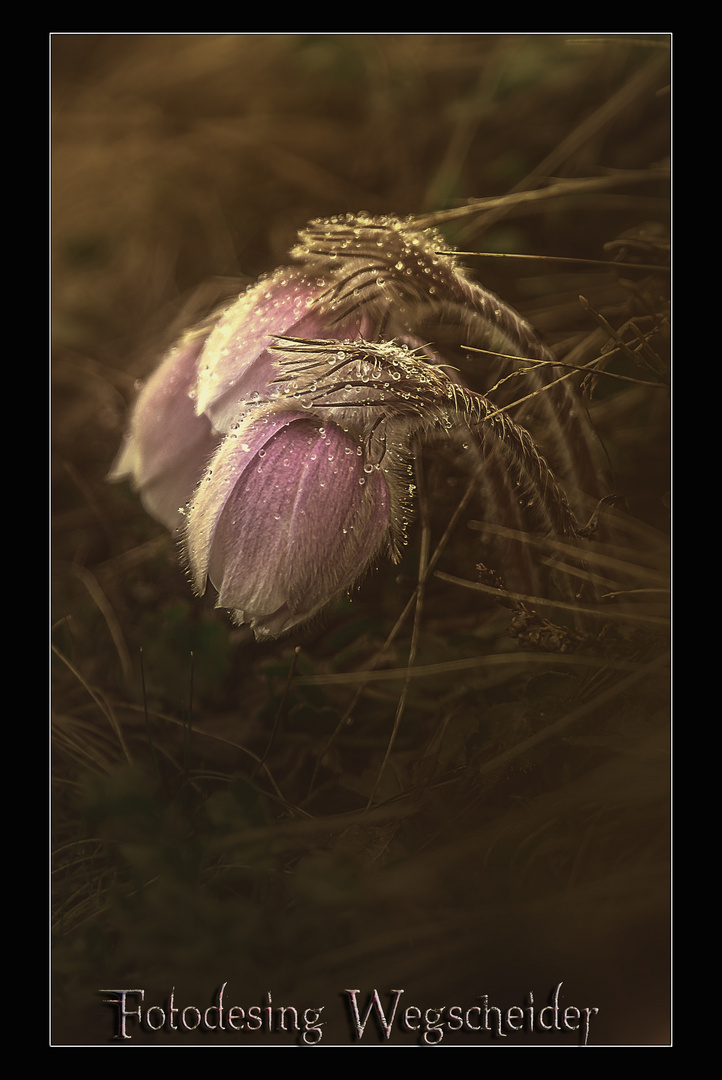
<point>277,438</point>
<point>168,442</point>
<point>285,518</point>
<point>204,385</point>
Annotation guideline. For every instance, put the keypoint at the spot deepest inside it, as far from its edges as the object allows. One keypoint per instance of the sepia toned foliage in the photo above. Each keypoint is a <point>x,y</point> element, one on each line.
<point>453,777</point>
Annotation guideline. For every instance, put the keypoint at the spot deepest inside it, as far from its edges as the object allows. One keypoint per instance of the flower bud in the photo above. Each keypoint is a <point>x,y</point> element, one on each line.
<point>168,443</point>
<point>208,381</point>
<point>285,518</point>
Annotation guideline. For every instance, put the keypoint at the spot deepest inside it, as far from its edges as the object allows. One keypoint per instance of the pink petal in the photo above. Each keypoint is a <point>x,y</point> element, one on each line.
<point>236,370</point>
<point>168,446</point>
<point>285,520</point>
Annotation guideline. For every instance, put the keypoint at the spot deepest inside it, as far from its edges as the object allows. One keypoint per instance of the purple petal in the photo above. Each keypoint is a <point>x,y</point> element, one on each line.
<point>286,519</point>
<point>236,370</point>
<point>168,446</point>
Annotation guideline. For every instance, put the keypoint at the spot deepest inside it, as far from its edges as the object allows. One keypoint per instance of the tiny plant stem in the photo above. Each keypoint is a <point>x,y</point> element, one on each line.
<point>607,264</point>
<point>154,758</point>
<point>453,522</point>
<point>556,190</point>
<point>102,705</point>
<point>280,713</point>
<point>188,728</point>
<point>416,629</point>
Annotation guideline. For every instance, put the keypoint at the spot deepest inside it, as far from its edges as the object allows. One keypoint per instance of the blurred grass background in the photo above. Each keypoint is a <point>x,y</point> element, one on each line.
<point>519,835</point>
